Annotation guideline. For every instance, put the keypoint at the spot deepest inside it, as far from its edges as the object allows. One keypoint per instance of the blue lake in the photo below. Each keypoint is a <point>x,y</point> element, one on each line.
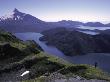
<point>102,58</point>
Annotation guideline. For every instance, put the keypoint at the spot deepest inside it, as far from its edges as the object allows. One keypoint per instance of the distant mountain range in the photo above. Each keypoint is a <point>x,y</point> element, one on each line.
<point>96,24</point>
<point>22,22</point>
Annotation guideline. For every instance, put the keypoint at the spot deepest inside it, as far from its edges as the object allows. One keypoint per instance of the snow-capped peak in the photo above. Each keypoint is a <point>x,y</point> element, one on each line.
<point>15,15</point>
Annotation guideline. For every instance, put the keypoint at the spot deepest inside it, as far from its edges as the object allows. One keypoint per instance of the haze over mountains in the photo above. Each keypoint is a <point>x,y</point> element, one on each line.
<point>22,22</point>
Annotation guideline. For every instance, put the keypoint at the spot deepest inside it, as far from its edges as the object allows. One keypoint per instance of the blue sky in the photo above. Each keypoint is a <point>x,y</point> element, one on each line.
<point>55,10</point>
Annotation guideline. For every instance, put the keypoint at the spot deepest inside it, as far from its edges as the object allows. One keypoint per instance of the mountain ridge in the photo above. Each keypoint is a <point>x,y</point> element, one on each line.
<point>22,22</point>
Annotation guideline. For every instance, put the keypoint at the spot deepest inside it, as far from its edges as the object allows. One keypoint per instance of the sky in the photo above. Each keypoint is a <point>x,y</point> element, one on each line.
<point>56,10</point>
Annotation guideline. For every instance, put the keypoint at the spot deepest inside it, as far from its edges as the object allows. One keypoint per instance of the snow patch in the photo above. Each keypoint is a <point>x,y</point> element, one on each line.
<point>26,72</point>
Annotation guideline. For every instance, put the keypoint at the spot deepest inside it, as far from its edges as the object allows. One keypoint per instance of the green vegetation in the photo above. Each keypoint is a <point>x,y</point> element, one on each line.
<point>13,51</point>
<point>17,54</point>
<point>55,64</point>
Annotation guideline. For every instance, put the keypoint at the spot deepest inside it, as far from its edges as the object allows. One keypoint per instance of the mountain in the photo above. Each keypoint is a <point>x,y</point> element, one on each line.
<point>108,24</point>
<point>76,43</point>
<point>67,23</point>
<point>21,22</point>
<point>94,24</point>
<point>107,32</point>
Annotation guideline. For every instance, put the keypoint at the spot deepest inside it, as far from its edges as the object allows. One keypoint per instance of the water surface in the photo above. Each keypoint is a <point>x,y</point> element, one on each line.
<point>93,28</point>
<point>102,59</point>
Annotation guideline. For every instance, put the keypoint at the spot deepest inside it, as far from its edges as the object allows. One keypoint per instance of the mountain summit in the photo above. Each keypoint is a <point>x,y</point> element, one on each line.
<point>22,22</point>
<point>17,14</point>
<point>15,10</point>
<point>27,18</point>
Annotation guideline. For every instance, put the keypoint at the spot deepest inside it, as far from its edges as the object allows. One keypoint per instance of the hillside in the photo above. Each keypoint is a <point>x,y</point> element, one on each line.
<point>17,56</point>
<point>75,42</point>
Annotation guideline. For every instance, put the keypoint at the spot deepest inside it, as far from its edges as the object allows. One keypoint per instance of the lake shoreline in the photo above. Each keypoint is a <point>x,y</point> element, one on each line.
<point>102,58</point>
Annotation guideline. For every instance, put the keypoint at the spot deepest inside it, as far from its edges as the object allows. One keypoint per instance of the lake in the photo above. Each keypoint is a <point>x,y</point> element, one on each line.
<point>93,28</point>
<point>102,59</point>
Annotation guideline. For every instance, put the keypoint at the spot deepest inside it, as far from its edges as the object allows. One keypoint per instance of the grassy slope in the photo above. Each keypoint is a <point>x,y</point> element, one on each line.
<point>69,69</point>
<point>24,48</point>
<point>41,63</point>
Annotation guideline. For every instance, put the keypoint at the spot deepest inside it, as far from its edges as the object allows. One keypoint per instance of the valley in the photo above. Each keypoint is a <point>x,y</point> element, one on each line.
<point>20,56</point>
<point>102,59</point>
<point>33,50</point>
